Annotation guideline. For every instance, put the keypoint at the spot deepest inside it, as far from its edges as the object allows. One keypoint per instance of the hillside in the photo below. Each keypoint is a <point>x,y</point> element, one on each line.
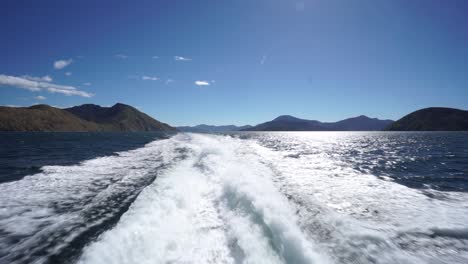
<point>432,119</point>
<point>119,117</point>
<point>291,123</point>
<point>360,123</point>
<point>42,118</point>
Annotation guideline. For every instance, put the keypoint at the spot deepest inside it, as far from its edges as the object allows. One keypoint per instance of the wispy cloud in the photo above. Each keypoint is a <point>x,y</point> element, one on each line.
<point>35,85</point>
<point>121,56</point>
<point>60,64</point>
<point>45,78</point>
<point>149,78</point>
<point>68,73</point>
<point>263,60</point>
<point>202,83</point>
<point>168,81</point>
<point>40,97</point>
<point>180,58</point>
<point>155,57</point>
<point>87,83</point>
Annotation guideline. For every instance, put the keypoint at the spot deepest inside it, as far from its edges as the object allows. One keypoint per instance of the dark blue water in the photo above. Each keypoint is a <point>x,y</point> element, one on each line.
<point>418,159</point>
<point>356,195</point>
<point>74,205</point>
<point>24,153</point>
<point>437,160</point>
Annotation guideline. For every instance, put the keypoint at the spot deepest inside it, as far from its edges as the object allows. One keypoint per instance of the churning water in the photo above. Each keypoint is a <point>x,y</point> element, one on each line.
<point>298,197</point>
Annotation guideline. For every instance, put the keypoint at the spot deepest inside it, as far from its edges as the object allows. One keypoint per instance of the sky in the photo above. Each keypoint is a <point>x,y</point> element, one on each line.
<point>237,62</point>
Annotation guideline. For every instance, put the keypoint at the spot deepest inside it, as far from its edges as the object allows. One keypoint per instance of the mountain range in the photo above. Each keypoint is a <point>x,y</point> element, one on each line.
<point>87,117</point>
<point>291,123</point>
<point>121,117</point>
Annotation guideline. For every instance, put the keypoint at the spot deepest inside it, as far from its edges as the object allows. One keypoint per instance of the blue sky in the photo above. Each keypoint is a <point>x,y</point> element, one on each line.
<point>237,62</point>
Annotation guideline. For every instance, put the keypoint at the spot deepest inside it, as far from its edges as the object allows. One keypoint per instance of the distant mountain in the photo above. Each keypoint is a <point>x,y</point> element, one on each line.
<point>432,119</point>
<point>119,117</point>
<point>210,129</point>
<point>291,123</point>
<point>360,123</point>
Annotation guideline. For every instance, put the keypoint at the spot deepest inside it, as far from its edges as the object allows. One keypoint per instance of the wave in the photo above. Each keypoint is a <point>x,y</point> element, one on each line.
<point>217,206</point>
<point>49,216</point>
<point>220,199</point>
<point>360,218</point>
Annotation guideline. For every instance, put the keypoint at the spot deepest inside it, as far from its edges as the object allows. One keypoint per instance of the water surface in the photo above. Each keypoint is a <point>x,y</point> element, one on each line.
<point>282,197</point>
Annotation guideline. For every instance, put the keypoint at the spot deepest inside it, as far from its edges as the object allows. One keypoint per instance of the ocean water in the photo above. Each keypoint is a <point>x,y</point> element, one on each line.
<point>282,197</point>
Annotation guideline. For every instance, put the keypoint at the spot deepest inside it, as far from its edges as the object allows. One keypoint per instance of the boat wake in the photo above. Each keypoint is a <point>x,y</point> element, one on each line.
<point>217,206</point>
<point>197,198</point>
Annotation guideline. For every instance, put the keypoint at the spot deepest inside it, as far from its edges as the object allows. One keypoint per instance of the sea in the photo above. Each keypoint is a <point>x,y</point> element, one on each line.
<point>241,197</point>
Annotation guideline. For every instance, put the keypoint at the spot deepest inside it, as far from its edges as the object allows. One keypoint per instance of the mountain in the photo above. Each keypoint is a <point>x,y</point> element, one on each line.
<point>291,123</point>
<point>360,123</point>
<point>432,119</point>
<point>288,123</point>
<point>42,118</point>
<point>210,129</point>
<point>119,117</point>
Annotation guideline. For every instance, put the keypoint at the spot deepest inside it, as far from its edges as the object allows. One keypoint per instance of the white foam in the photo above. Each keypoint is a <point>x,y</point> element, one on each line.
<point>218,206</point>
<point>227,200</point>
<point>360,217</point>
<point>46,211</point>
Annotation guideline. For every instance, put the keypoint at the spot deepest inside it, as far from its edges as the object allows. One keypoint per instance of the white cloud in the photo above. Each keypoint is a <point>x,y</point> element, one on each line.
<point>20,82</point>
<point>155,57</point>
<point>68,90</point>
<point>87,83</point>
<point>40,97</point>
<point>121,56</point>
<point>149,78</point>
<point>46,78</point>
<point>262,61</point>
<point>68,73</point>
<point>168,81</point>
<point>60,64</point>
<point>180,58</point>
<point>202,83</point>
<point>34,85</point>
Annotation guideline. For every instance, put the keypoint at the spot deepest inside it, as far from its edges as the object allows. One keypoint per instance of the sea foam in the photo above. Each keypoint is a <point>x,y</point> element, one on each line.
<point>218,206</point>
